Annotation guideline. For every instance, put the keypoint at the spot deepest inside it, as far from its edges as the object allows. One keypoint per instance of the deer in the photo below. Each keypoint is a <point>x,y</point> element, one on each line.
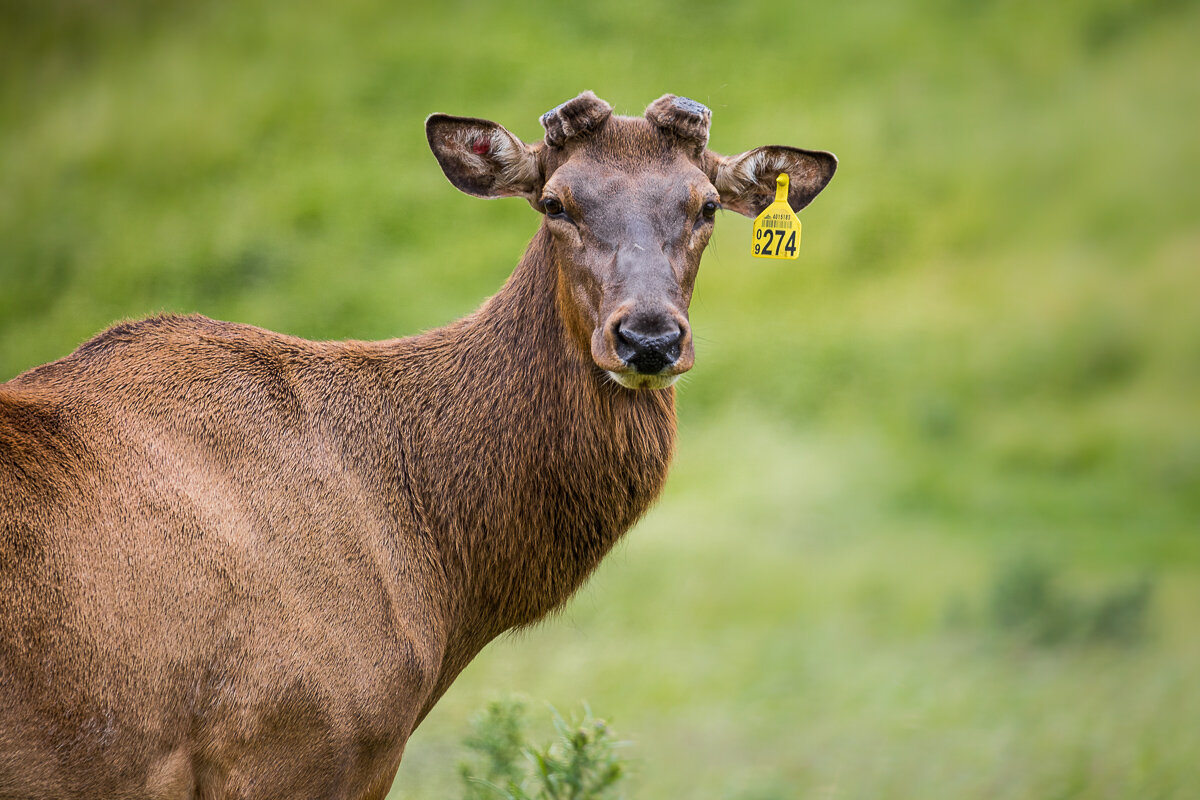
<point>239,564</point>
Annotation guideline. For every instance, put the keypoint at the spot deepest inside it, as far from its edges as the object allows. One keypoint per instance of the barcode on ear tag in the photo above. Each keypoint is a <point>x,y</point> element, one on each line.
<point>777,228</point>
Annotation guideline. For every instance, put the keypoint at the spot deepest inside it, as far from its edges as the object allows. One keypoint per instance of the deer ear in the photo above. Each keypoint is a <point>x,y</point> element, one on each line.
<point>746,182</point>
<point>481,158</point>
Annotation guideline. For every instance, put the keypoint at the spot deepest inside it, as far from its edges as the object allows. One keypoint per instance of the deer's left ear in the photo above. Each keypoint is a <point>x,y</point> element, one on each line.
<point>482,158</point>
<point>746,182</point>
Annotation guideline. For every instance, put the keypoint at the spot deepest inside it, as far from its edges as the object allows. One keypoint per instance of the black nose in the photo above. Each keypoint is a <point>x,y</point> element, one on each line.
<point>649,348</point>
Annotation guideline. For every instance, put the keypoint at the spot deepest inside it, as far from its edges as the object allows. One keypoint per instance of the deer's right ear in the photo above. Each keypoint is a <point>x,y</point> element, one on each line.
<point>481,158</point>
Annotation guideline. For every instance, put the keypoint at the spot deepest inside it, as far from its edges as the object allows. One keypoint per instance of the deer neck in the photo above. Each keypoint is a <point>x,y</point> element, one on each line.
<point>538,463</point>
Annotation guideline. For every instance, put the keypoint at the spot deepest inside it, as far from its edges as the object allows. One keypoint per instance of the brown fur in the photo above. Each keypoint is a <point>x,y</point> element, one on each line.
<point>234,563</point>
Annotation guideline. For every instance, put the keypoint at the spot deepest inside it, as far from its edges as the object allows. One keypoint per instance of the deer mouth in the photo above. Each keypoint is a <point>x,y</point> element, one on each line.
<point>636,380</point>
<point>646,369</point>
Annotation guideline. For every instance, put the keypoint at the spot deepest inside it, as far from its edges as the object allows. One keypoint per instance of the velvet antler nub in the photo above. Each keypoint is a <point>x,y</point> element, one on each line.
<point>683,117</point>
<point>575,117</point>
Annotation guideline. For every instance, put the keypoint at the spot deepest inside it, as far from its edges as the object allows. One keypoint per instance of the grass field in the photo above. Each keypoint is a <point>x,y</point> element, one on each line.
<point>988,353</point>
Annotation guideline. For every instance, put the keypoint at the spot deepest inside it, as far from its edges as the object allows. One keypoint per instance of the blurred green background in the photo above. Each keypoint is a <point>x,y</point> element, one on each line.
<point>934,525</point>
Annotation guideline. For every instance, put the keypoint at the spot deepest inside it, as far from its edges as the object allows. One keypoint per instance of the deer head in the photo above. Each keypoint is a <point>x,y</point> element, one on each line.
<point>630,204</point>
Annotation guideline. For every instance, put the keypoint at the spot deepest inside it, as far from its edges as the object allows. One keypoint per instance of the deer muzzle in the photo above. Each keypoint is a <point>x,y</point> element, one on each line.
<point>646,348</point>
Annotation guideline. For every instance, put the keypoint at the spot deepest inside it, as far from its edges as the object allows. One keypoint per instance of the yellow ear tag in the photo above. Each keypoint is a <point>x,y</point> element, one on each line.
<point>777,228</point>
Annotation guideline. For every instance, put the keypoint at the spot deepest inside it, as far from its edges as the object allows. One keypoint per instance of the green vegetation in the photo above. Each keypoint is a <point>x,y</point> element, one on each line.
<point>581,764</point>
<point>1028,601</point>
<point>987,355</point>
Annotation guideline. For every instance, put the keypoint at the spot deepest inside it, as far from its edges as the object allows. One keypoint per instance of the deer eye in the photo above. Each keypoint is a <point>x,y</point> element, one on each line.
<point>553,208</point>
<point>709,209</point>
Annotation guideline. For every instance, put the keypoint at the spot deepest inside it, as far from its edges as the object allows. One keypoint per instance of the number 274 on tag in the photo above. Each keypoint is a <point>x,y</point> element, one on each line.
<point>777,243</point>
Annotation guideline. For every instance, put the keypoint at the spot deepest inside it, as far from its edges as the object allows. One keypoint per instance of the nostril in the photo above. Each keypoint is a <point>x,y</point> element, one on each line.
<point>627,342</point>
<point>671,344</point>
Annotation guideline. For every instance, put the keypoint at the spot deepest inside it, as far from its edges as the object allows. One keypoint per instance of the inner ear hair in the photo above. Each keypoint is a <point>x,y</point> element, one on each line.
<point>482,158</point>
<point>683,117</point>
<point>576,117</point>
<point>747,181</point>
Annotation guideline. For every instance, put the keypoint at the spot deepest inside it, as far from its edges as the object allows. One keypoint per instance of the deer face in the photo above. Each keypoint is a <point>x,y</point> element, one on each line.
<point>628,236</point>
<point>630,204</point>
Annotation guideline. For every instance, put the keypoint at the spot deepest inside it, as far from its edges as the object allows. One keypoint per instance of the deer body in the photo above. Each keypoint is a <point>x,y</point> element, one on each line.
<point>238,564</point>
